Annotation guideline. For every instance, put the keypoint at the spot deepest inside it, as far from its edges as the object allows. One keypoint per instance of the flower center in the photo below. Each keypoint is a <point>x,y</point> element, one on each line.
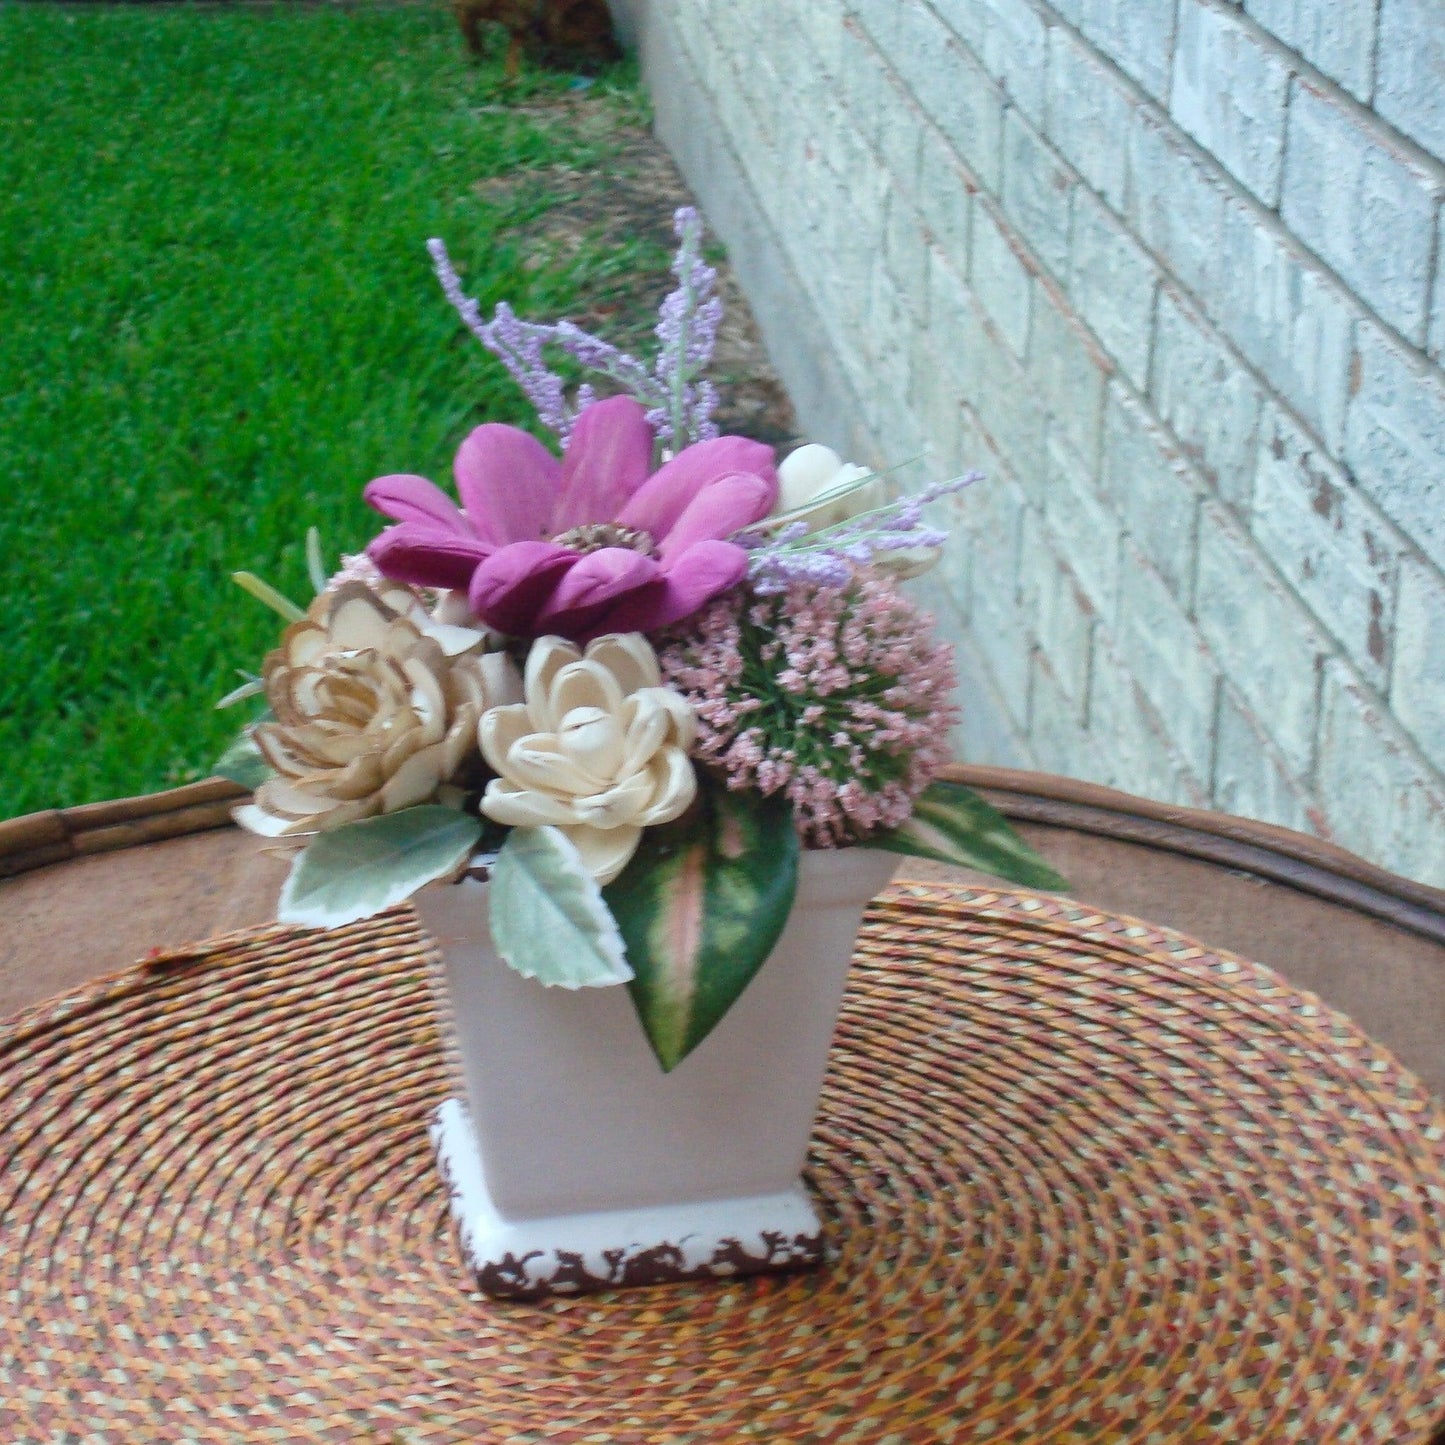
<point>594,536</point>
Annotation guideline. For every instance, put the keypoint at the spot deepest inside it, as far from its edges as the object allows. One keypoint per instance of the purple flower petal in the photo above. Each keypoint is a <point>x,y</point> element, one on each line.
<point>509,589</point>
<point>407,498</point>
<point>427,556</point>
<point>661,500</point>
<point>687,583</point>
<point>508,483</point>
<point>609,455</point>
<point>721,508</point>
<point>593,586</point>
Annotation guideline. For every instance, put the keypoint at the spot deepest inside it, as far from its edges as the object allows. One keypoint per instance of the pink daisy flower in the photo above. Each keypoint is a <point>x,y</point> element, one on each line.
<point>593,543</point>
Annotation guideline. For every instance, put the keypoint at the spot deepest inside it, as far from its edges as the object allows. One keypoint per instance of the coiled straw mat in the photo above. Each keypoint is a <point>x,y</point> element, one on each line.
<point>1086,1181</point>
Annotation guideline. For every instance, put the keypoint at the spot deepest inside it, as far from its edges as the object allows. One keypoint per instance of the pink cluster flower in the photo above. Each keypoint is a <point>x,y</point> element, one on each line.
<point>835,696</point>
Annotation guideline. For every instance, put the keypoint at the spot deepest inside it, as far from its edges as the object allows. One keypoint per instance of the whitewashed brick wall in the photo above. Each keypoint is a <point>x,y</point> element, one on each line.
<point>1172,273</point>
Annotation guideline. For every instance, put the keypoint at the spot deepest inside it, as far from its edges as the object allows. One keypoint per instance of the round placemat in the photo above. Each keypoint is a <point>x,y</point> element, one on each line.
<point>1084,1179</point>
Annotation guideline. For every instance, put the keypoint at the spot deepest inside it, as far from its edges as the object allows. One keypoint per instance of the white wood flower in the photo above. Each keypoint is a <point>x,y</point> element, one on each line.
<point>815,485</point>
<point>598,749</point>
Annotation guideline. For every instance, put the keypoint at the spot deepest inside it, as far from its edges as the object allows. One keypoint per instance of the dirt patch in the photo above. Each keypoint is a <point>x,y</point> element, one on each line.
<point>625,204</point>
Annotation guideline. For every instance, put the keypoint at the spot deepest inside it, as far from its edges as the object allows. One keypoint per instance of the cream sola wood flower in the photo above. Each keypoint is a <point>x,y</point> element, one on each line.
<point>818,489</point>
<point>817,486</point>
<point>370,714</point>
<point>598,749</point>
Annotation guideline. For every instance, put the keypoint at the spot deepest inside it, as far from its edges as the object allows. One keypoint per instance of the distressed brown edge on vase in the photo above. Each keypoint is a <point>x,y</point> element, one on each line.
<point>540,1274</point>
<point>1280,855</point>
<point>565,1273</point>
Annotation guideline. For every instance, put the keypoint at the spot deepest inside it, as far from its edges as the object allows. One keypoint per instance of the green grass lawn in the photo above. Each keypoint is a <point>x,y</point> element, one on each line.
<point>217,322</point>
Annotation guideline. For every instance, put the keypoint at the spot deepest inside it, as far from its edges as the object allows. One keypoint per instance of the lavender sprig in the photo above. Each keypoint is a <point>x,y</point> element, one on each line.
<point>829,556</point>
<point>687,330</point>
<point>680,405</point>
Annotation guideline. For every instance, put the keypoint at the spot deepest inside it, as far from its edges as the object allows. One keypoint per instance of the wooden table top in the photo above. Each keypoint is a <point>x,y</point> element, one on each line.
<point>93,889</point>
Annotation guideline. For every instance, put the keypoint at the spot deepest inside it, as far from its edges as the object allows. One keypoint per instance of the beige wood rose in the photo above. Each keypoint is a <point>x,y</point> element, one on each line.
<point>370,714</point>
<point>598,749</point>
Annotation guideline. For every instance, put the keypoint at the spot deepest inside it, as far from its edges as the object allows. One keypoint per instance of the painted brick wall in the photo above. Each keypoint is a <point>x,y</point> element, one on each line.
<point>1172,273</point>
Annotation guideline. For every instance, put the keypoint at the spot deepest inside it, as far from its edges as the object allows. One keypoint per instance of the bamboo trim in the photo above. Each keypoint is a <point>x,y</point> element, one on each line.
<point>1280,855</point>
<point>1310,865</point>
<point>60,834</point>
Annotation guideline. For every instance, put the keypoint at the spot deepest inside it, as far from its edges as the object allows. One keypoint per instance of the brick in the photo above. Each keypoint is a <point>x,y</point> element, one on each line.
<point>986,734</point>
<point>1009,408</point>
<point>1363,205</point>
<point>851,234</point>
<point>1229,93</point>
<point>1263,640</point>
<point>900,134</point>
<point>1287,317</point>
<point>1408,92</point>
<point>998,625</point>
<point>1206,397</point>
<point>1174,205</point>
<point>945,195</point>
<point>976,447</point>
<point>1170,660</point>
<point>905,252</point>
<point>1112,282</point>
<point>1068,372</point>
<point>1087,528</point>
<point>1063,617</point>
<point>1251,779</point>
<point>1327,541</point>
<point>1380,794</point>
<point>953,89</point>
<point>1140,759</point>
<point>1338,38</point>
<point>1395,441</point>
<point>1036,195</point>
<point>1088,110</point>
<point>878,17</point>
<point>1436,342</point>
<point>1011,40</point>
<point>1417,688</point>
<point>1151,487</point>
<point>934,395</point>
<point>862,78</point>
<point>886,335</point>
<point>1137,35</point>
<point>1062,744</point>
<point>1000,279</point>
<point>819,31</point>
<point>954,324</point>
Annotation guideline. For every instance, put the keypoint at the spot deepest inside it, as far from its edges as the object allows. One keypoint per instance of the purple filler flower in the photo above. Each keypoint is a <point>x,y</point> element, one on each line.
<point>594,543</point>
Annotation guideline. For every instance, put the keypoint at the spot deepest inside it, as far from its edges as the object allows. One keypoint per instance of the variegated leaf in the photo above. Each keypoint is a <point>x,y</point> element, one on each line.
<point>952,824</point>
<point>700,906</point>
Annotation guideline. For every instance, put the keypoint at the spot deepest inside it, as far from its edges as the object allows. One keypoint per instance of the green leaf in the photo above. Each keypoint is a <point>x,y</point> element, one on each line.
<point>952,824</point>
<point>548,918</point>
<point>700,906</point>
<point>242,762</point>
<point>252,687</point>
<point>264,592</point>
<point>315,565</point>
<point>361,868</point>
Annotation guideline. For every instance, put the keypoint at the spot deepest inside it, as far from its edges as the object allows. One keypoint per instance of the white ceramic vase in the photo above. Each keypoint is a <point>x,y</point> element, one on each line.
<point>575,1163</point>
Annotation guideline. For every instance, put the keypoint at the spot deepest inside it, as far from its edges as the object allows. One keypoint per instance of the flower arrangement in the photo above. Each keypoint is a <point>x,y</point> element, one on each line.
<point>629,680</point>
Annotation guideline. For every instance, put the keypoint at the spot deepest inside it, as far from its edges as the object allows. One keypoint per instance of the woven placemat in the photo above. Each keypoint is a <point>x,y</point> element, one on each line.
<point>1085,1181</point>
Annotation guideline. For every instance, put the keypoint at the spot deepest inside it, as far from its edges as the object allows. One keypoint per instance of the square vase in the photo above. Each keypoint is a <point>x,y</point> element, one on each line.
<point>575,1163</point>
